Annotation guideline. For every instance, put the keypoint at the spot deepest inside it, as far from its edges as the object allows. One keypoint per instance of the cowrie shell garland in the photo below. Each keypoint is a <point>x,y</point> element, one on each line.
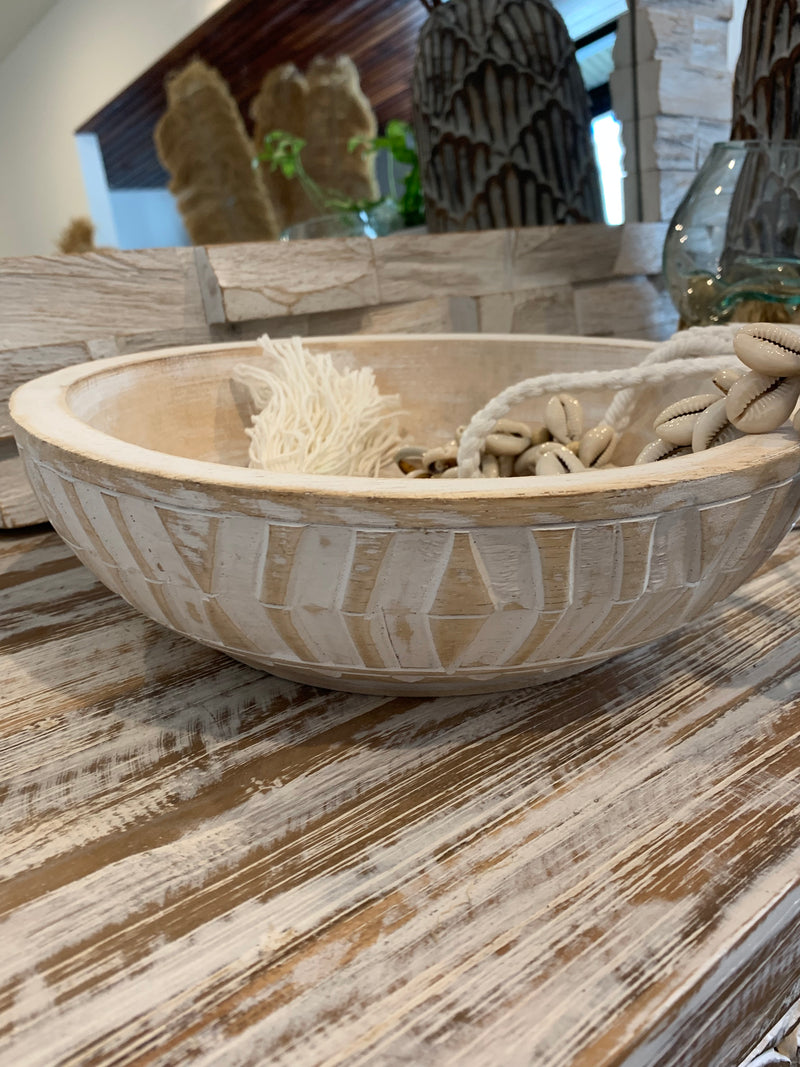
<point>675,424</point>
<point>560,446</point>
<point>756,397</point>
<point>757,401</point>
<point>763,398</point>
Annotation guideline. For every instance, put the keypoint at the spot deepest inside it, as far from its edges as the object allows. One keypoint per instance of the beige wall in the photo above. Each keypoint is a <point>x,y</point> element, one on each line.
<point>81,54</point>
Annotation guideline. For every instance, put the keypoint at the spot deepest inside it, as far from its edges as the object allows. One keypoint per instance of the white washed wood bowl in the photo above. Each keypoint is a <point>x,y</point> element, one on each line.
<point>392,586</point>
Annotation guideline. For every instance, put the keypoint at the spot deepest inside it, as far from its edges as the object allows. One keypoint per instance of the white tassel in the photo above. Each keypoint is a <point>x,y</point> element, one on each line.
<point>313,418</point>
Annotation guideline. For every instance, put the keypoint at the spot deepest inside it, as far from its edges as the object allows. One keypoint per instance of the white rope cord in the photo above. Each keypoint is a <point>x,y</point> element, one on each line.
<point>697,341</point>
<point>707,348</point>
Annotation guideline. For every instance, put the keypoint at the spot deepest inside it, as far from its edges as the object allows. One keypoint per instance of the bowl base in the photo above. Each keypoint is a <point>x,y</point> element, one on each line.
<point>418,685</point>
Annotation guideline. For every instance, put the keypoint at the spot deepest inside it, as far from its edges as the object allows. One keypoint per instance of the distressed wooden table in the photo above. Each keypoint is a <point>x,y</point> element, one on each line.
<point>203,864</point>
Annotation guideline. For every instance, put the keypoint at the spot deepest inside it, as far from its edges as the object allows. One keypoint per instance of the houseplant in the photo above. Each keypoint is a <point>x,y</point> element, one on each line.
<point>340,215</point>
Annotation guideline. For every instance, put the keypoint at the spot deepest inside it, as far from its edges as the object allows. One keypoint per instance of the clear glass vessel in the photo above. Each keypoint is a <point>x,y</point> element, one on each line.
<point>377,222</point>
<point>732,251</point>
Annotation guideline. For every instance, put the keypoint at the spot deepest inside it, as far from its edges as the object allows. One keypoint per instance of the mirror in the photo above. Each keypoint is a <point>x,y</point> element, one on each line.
<point>67,77</point>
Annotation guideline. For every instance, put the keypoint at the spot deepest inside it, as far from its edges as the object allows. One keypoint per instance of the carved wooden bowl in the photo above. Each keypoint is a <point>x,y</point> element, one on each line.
<point>392,585</point>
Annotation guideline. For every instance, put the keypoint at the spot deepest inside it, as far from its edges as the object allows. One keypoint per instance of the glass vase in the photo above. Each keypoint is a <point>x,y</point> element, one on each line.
<point>378,221</point>
<point>732,251</point>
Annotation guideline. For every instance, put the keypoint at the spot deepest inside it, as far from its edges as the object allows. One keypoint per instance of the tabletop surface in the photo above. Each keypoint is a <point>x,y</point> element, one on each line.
<point>203,864</point>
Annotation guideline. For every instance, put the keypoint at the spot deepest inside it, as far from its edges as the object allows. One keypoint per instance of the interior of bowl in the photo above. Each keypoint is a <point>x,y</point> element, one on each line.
<point>184,403</point>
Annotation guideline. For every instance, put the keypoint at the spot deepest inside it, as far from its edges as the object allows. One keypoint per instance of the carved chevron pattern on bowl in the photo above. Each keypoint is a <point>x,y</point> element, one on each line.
<point>369,603</point>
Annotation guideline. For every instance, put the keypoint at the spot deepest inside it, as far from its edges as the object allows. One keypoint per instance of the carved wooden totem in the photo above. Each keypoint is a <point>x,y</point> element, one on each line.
<point>502,118</point>
<point>764,218</point>
<point>766,88</point>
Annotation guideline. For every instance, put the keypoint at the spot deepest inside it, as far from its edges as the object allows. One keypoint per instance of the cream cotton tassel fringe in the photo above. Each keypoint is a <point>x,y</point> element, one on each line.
<point>314,418</point>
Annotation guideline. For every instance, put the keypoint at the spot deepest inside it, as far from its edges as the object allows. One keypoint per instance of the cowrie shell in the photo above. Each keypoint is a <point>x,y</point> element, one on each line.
<point>676,422</point>
<point>539,433</point>
<point>560,461</point>
<point>490,468</point>
<point>758,403</point>
<point>505,465</point>
<point>724,379</point>
<point>713,427</point>
<point>506,444</point>
<point>526,463</point>
<point>769,348</point>
<point>518,429</point>
<point>563,417</point>
<point>597,445</point>
<point>409,458</point>
<point>661,450</point>
<point>437,460</point>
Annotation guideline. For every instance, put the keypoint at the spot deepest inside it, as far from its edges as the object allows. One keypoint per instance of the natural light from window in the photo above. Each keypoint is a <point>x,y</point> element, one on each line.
<point>607,137</point>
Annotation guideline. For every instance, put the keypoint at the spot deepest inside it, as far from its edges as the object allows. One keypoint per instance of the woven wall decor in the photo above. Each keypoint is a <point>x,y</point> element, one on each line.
<point>77,237</point>
<point>326,107</point>
<point>502,118</point>
<point>281,104</point>
<point>202,142</point>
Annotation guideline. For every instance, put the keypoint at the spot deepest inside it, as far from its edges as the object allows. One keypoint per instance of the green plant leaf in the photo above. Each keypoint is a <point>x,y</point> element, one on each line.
<point>367,145</point>
<point>282,150</point>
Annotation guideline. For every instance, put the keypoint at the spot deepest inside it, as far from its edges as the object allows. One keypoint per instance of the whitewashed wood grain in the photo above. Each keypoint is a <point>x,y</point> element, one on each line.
<point>432,315</point>
<point>782,1038</point>
<point>557,255</point>
<point>60,310</point>
<point>204,864</point>
<point>243,282</point>
<point>48,300</point>
<point>636,307</point>
<point>20,365</point>
<point>549,309</point>
<point>18,504</point>
<point>410,266</point>
<point>285,278</point>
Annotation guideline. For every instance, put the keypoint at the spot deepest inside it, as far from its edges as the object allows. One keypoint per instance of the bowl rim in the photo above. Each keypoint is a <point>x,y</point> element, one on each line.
<point>40,410</point>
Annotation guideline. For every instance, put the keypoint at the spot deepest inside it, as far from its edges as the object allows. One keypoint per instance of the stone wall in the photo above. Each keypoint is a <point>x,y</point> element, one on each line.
<point>684,81</point>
